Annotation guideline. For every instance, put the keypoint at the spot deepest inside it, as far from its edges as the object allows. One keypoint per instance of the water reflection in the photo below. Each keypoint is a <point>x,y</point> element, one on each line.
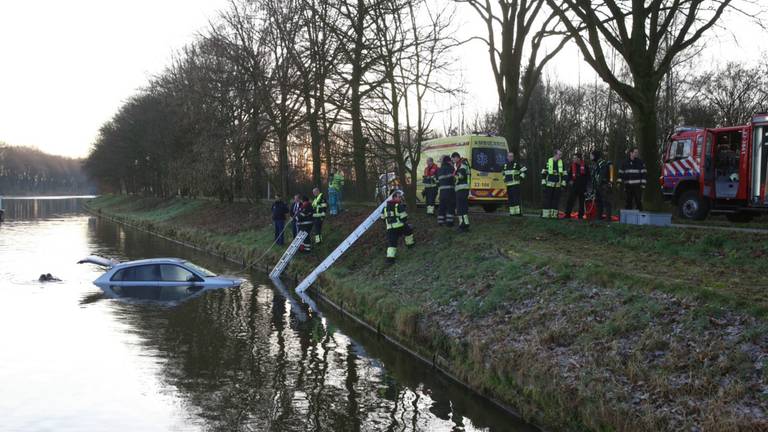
<point>25,208</point>
<point>247,358</point>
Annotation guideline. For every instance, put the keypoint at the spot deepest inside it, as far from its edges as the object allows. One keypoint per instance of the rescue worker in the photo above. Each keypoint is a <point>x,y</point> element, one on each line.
<point>279,210</point>
<point>578,178</point>
<point>396,219</point>
<point>319,206</point>
<point>513,173</point>
<point>430,185</point>
<point>553,181</point>
<point>601,185</point>
<point>446,184</point>
<point>335,184</point>
<point>632,175</point>
<point>462,174</point>
<point>305,220</point>
<point>294,213</point>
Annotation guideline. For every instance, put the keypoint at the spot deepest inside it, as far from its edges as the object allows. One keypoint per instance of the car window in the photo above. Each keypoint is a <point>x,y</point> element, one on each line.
<point>174,273</point>
<point>138,273</point>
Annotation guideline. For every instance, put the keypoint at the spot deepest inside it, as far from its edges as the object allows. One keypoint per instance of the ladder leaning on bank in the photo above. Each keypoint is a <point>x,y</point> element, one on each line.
<point>288,254</point>
<point>340,249</point>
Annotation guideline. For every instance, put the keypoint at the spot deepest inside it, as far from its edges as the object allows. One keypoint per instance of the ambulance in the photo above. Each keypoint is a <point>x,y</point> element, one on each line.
<point>486,155</point>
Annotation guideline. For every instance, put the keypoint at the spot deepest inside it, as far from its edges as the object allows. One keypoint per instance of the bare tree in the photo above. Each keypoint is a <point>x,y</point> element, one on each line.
<point>647,36</point>
<point>516,67</point>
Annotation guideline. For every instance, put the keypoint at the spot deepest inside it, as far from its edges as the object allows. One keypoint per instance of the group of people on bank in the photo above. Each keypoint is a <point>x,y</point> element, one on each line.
<point>308,215</point>
<point>599,173</point>
<point>450,182</point>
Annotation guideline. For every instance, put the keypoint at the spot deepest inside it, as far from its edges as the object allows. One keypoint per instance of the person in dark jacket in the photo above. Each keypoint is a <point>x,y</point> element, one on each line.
<point>446,183</point>
<point>395,218</point>
<point>294,213</point>
<point>305,220</point>
<point>462,173</point>
<point>513,173</point>
<point>601,184</point>
<point>578,178</point>
<point>279,210</point>
<point>319,206</point>
<point>430,185</point>
<point>632,175</point>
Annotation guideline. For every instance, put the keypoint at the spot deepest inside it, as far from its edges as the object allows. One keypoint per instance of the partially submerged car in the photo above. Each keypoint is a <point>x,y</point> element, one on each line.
<point>157,272</point>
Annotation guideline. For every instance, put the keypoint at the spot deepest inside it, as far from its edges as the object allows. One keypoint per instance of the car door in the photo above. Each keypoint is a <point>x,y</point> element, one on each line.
<point>708,164</point>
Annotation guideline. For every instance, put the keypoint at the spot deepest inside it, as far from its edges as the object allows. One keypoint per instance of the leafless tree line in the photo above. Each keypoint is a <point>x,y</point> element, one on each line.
<point>28,171</point>
<point>277,92</point>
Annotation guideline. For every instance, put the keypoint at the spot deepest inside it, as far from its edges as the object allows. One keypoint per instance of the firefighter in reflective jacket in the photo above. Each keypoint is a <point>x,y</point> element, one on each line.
<point>430,185</point>
<point>304,222</point>
<point>462,190</point>
<point>319,207</point>
<point>396,219</point>
<point>553,180</point>
<point>513,174</point>
<point>445,186</point>
<point>632,175</point>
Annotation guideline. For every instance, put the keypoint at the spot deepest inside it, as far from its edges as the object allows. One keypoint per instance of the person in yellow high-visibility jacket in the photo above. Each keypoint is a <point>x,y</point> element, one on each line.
<point>396,219</point>
<point>553,181</point>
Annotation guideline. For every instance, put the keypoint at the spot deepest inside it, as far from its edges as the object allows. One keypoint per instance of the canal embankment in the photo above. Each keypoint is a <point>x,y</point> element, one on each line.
<point>576,326</point>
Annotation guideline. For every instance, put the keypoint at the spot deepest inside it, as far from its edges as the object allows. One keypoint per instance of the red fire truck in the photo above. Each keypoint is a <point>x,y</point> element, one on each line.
<point>720,170</point>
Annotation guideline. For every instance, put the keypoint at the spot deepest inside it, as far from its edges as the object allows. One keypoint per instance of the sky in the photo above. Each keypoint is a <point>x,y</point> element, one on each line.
<point>66,67</point>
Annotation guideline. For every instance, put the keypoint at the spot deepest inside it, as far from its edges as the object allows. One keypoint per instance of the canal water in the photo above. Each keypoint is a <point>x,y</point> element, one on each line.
<point>249,358</point>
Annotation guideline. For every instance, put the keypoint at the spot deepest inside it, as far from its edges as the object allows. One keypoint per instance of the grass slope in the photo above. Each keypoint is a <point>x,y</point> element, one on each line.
<point>580,327</point>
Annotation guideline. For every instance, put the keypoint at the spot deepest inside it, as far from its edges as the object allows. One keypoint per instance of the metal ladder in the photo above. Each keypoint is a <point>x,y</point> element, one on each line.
<point>330,259</point>
<point>289,253</point>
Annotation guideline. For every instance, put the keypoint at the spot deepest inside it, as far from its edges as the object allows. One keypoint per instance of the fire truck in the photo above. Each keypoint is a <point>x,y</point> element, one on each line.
<point>718,170</point>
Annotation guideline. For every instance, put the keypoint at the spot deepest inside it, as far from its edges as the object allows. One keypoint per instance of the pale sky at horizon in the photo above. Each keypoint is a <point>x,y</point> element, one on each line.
<point>68,66</point>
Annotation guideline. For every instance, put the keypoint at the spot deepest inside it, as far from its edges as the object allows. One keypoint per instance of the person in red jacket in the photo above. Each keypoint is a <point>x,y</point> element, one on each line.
<point>578,176</point>
<point>430,185</point>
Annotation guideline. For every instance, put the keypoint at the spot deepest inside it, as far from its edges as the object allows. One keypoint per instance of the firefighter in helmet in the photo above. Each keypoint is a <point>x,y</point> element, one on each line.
<point>462,174</point>
<point>319,207</point>
<point>396,219</point>
<point>513,174</point>
<point>446,184</point>
<point>304,222</point>
<point>601,185</point>
<point>430,185</point>
<point>553,180</point>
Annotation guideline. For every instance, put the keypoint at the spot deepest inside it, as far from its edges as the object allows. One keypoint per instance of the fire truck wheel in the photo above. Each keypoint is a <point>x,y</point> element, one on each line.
<point>693,206</point>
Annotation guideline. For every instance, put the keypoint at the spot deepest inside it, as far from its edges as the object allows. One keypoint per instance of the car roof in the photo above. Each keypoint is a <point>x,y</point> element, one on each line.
<point>152,261</point>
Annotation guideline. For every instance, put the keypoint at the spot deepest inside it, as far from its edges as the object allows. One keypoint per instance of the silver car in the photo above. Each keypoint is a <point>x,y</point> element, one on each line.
<point>157,272</point>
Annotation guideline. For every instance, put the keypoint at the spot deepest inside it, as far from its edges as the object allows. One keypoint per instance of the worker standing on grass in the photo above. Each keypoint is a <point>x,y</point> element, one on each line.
<point>335,185</point>
<point>396,219</point>
<point>446,184</point>
<point>319,206</point>
<point>305,220</point>
<point>601,184</point>
<point>578,177</point>
<point>294,213</point>
<point>513,174</point>
<point>632,175</point>
<point>279,210</point>
<point>553,180</point>
<point>430,185</point>
<point>462,190</point>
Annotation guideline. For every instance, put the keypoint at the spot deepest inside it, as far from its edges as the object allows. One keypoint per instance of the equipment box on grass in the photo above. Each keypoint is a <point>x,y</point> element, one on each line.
<point>636,217</point>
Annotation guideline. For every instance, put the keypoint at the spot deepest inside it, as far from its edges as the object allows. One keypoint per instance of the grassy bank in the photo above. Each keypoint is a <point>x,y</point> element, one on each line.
<point>579,327</point>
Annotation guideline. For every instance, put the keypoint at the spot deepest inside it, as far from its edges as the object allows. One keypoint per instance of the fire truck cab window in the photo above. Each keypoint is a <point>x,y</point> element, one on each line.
<point>727,163</point>
<point>680,149</point>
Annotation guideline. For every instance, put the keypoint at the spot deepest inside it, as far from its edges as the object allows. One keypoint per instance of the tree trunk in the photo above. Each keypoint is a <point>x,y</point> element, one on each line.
<point>644,118</point>
<point>283,162</point>
<point>358,141</point>
<point>512,128</point>
<point>316,140</point>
